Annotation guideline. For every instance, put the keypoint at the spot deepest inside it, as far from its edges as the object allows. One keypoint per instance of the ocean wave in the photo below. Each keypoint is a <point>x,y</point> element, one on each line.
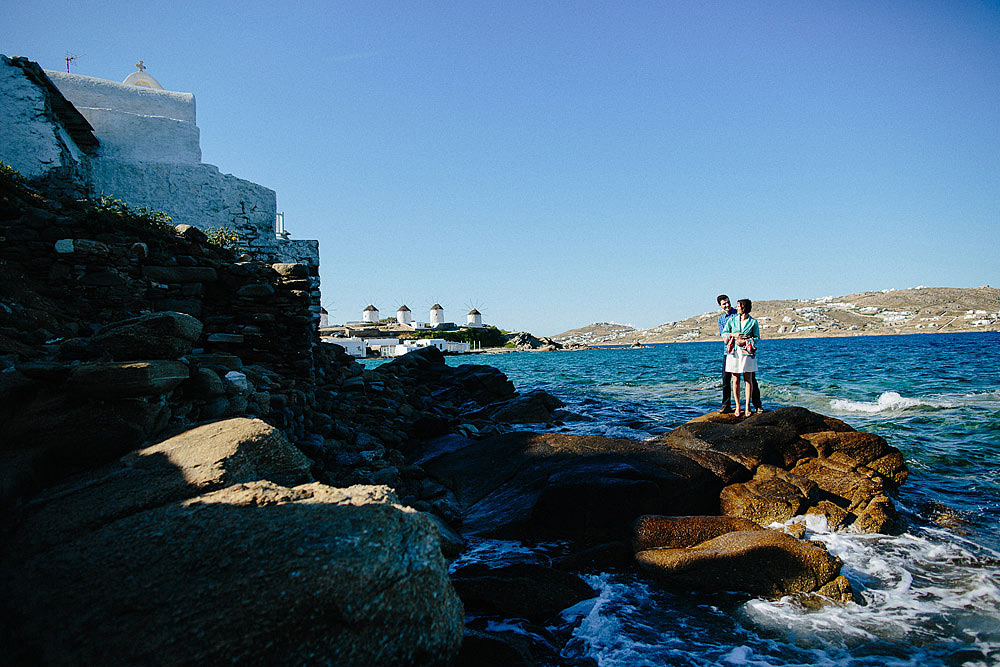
<point>889,401</point>
<point>911,583</point>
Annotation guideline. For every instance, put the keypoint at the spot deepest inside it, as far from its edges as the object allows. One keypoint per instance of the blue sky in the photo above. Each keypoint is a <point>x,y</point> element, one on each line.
<point>558,163</point>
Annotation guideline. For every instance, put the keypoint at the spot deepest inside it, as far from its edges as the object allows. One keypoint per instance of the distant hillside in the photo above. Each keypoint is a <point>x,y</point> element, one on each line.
<point>917,310</point>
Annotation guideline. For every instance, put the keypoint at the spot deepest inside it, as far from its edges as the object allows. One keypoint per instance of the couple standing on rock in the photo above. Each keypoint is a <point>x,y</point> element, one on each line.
<point>740,332</point>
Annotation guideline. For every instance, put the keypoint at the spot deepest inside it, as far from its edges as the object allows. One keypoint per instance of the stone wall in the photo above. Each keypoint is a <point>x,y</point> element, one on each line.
<point>114,327</point>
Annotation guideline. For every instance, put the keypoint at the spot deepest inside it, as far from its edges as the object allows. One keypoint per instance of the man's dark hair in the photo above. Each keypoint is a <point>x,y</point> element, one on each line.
<point>719,299</point>
<point>747,305</point>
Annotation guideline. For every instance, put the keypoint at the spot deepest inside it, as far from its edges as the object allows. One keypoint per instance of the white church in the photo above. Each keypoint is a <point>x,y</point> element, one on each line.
<point>135,141</point>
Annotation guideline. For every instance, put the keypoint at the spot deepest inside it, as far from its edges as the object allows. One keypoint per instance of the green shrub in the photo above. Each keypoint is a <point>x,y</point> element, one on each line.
<point>109,210</point>
<point>225,237</point>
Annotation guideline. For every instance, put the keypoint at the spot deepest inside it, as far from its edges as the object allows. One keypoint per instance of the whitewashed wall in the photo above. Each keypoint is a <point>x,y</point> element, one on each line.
<point>30,140</point>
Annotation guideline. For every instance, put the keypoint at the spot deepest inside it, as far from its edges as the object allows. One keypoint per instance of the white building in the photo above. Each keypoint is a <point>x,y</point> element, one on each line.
<point>356,347</point>
<point>437,315</point>
<point>369,314</point>
<point>403,315</point>
<point>474,319</point>
<point>132,141</point>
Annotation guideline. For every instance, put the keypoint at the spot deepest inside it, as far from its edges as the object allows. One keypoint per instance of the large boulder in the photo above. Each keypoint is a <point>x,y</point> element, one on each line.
<point>256,574</point>
<point>759,562</point>
<point>677,532</point>
<point>564,486</point>
<point>201,459</point>
<point>792,461</point>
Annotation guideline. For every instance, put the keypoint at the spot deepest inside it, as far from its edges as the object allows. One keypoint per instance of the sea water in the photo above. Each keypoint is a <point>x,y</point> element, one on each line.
<point>930,596</point>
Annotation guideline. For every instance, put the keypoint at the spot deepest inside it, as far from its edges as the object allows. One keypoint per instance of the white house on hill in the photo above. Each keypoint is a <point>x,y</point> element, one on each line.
<point>369,314</point>
<point>474,319</point>
<point>404,315</point>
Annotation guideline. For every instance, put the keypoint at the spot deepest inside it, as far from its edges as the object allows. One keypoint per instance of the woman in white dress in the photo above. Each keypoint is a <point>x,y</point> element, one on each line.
<point>741,334</point>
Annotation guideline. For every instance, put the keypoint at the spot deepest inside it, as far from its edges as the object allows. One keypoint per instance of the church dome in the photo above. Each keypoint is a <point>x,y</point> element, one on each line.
<point>140,78</point>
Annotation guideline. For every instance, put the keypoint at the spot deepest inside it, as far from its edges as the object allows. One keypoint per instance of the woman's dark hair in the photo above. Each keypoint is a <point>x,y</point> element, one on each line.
<point>720,298</point>
<point>747,305</point>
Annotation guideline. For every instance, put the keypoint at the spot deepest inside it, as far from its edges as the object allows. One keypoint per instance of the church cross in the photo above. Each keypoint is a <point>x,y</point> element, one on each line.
<point>142,68</point>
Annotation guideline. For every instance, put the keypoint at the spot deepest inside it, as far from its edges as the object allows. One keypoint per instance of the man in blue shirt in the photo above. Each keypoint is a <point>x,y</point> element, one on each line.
<point>727,385</point>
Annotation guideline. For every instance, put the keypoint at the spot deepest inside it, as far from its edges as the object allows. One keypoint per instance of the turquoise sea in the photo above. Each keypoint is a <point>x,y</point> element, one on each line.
<point>931,595</point>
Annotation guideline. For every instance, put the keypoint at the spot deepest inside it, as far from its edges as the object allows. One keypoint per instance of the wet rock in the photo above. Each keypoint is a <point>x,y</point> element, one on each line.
<point>524,590</point>
<point>598,557</point>
<point>493,649</point>
<point>867,449</point>
<point>653,532</point>
<point>761,562</point>
<point>853,487</point>
<point>531,408</point>
<point>836,516</point>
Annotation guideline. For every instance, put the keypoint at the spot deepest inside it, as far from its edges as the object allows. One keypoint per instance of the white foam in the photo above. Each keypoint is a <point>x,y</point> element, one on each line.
<point>910,584</point>
<point>889,401</point>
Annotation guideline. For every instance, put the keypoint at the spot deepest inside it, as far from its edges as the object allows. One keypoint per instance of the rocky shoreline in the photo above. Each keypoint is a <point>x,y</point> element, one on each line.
<point>212,483</point>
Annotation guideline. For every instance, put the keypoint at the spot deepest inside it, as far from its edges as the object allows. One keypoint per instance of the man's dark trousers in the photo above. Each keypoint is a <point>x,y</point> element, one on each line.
<point>727,389</point>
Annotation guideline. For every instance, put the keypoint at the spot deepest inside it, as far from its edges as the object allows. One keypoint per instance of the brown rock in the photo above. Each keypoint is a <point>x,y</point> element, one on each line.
<point>766,563</point>
<point>850,484</point>
<point>655,532</point>
<point>253,574</point>
<point>838,590</point>
<point>773,495</point>
<point>199,460</point>
<point>878,516</point>
<point>866,448</point>
<point>836,516</point>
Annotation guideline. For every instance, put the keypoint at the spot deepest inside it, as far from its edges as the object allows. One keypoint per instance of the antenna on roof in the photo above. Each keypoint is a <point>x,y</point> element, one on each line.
<point>70,58</point>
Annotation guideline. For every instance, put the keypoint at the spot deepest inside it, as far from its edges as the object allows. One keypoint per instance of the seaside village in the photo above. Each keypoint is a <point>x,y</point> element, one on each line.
<point>373,336</point>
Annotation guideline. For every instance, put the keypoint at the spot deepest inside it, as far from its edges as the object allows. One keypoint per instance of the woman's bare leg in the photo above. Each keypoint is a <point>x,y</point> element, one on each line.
<point>736,393</point>
<point>747,383</point>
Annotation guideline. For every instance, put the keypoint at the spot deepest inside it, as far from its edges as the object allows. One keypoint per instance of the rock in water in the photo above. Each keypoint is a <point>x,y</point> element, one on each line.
<point>759,562</point>
<point>255,574</point>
